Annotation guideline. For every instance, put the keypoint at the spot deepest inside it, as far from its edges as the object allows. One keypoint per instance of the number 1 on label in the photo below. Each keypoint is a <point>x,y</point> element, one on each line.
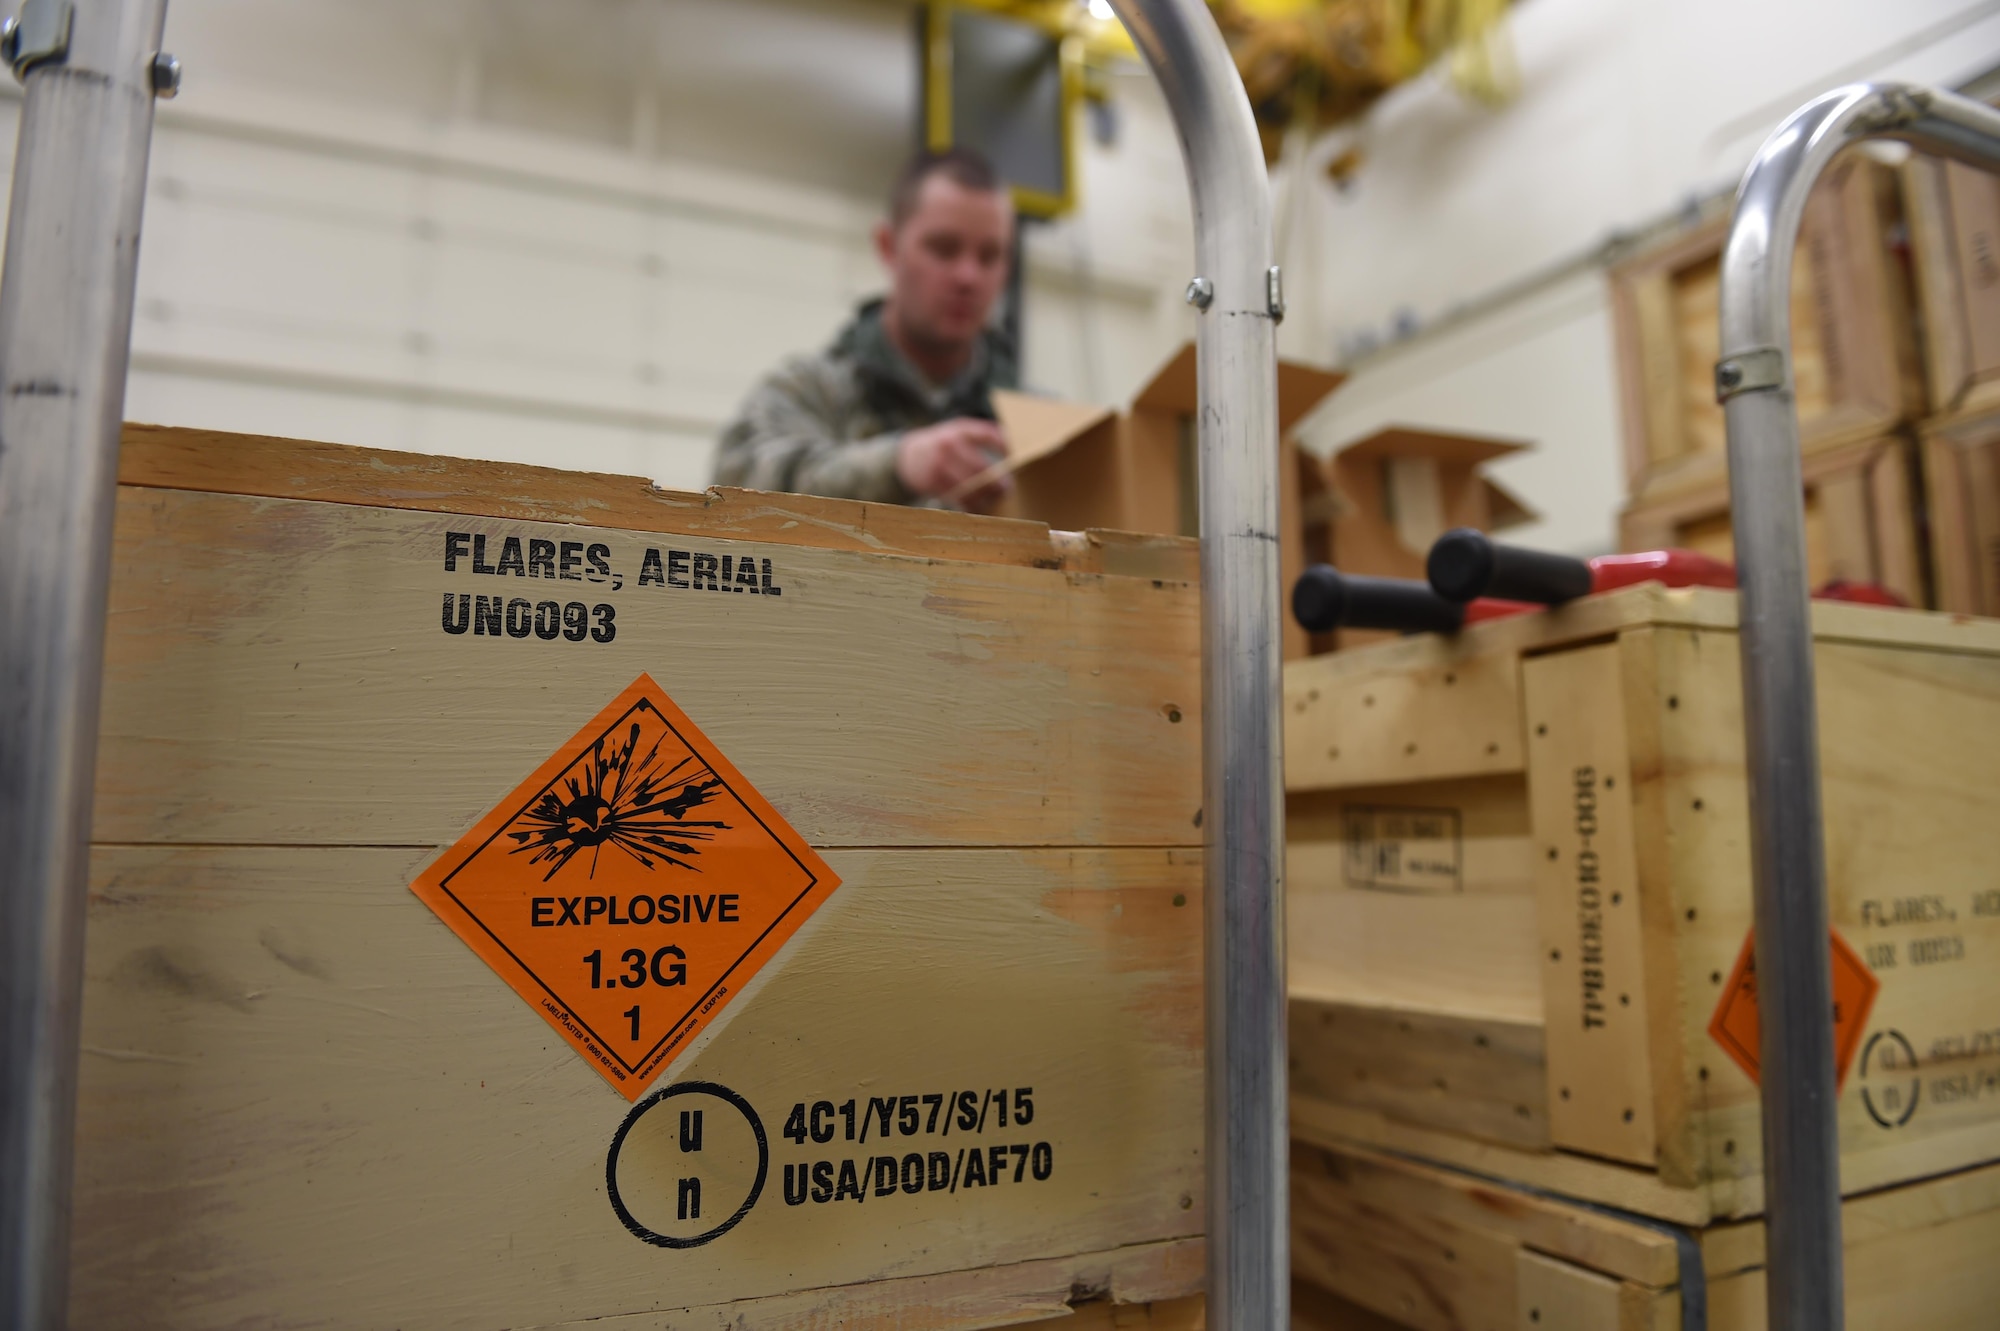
<point>633,1013</point>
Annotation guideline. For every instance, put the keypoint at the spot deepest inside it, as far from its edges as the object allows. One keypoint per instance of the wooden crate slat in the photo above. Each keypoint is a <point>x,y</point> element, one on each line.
<point>271,662</point>
<point>1592,944</point>
<point>300,1091</point>
<point>1480,1253</point>
<point>176,458</point>
<point>1961,464</point>
<point>1483,1077</point>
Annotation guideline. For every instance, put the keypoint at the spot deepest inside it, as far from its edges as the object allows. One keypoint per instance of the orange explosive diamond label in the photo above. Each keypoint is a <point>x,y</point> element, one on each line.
<point>1736,1027</point>
<point>631,887</point>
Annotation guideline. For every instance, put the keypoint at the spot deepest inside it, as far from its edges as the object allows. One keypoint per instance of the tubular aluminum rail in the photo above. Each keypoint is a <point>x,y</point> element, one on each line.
<point>1237,292</point>
<point>91,72</point>
<point>65,338</point>
<point>1754,383</point>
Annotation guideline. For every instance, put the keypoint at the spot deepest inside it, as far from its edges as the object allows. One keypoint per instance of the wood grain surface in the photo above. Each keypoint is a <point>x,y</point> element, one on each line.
<point>305,1103</point>
<point>277,672</point>
<point>1619,976</point>
<point>1441,1250</point>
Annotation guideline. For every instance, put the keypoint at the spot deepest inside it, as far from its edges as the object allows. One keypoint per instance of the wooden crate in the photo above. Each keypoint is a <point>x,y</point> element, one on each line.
<point>304,1100</point>
<point>1459,993</point>
<point>1862,511</point>
<point>1437,1249</point>
<point>1954,228</point>
<point>1853,350</point>
<point>1961,455</point>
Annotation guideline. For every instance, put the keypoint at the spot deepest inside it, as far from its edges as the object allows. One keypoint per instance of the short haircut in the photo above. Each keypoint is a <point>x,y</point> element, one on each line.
<point>967,167</point>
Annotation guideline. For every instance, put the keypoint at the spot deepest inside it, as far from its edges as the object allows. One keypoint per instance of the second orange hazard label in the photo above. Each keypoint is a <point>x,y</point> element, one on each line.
<point>630,887</point>
<point>1736,1027</point>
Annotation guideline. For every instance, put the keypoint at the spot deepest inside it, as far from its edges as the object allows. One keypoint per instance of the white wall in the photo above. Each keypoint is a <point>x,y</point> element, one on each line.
<point>570,234</point>
<point>1538,371</point>
<point>575,234</point>
<point>1628,109</point>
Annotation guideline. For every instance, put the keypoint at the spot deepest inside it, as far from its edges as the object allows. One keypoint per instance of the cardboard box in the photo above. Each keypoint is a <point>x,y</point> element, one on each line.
<point>1398,490</point>
<point>1386,498</point>
<point>1135,470</point>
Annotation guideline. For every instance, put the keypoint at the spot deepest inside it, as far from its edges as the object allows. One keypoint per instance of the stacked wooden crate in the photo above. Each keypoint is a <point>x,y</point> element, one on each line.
<point>1855,361</point>
<point>1518,895</point>
<point>1954,220</point>
<point>305,1102</point>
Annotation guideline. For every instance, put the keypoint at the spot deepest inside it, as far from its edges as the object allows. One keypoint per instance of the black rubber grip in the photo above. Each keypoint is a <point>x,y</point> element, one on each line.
<point>1325,598</point>
<point>1465,565</point>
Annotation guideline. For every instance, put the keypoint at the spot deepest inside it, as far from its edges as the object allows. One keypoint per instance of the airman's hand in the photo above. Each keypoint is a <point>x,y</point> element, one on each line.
<point>939,458</point>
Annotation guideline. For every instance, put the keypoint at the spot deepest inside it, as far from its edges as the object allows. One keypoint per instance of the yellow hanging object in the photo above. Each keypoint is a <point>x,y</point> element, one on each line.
<point>1312,64</point>
<point>1481,62</point>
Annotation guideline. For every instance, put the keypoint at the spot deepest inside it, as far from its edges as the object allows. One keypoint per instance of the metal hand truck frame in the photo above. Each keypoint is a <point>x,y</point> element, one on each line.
<point>1753,381</point>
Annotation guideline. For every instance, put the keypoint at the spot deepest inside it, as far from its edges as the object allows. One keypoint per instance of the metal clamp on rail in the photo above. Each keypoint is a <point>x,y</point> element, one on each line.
<point>1749,372</point>
<point>39,35</point>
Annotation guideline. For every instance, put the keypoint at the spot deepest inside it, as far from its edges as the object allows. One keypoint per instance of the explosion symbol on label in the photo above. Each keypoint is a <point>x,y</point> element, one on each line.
<point>630,887</point>
<point>627,815</point>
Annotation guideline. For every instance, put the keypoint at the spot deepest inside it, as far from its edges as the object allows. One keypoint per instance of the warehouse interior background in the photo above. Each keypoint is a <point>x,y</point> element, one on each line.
<point>574,234</point>
<point>1389,952</point>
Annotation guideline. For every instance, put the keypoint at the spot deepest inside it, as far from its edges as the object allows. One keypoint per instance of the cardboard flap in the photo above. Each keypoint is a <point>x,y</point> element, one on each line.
<point>1301,388</point>
<point>1035,427</point>
<point>1404,441</point>
<point>1507,508</point>
<point>1173,389</point>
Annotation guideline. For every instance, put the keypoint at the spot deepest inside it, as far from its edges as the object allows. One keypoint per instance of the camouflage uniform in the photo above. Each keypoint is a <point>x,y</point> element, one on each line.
<point>829,424</point>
